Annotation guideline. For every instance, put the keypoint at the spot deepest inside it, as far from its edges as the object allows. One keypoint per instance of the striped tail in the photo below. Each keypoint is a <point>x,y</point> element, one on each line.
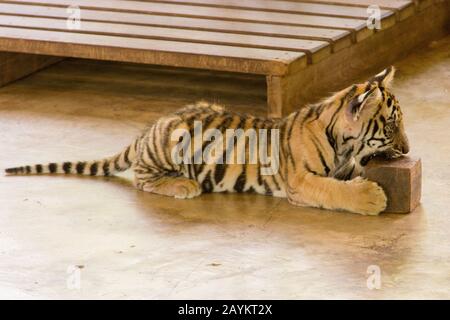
<point>105,167</point>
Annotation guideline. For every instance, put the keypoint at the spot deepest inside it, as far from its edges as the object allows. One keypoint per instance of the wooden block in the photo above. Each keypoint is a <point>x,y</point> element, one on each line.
<point>400,178</point>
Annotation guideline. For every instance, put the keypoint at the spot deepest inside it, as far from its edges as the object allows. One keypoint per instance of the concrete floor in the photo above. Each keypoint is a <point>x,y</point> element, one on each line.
<point>123,243</point>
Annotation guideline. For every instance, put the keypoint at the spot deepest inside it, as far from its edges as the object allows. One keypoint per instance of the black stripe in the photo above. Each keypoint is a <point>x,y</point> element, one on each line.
<point>363,137</point>
<point>360,149</point>
<point>232,143</point>
<point>222,126</point>
<point>66,167</point>
<point>239,185</point>
<point>187,169</point>
<point>344,170</point>
<point>192,171</point>
<point>193,114</point>
<point>208,120</point>
<point>125,157</point>
<point>367,129</point>
<point>349,175</point>
<point>219,172</point>
<point>199,153</point>
<point>207,185</point>
<point>392,115</point>
<point>161,147</point>
<point>11,170</point>
<point>52,167</point>
<point>347,139</point>
<point>258,172</point>
<point>346,153</point>
<point>355,104</point>
<point>166,142</point>
<point>149,143</point>
<point>150,155</point>
<point>389,102</point>
<point>154,148</point>
<point>330,135</point>
<point>39,168</point>
<point>93,169</point>
<point>116,163</point>
<point>325,166</point>
<point>275,182</point>
<point>364,160</point>
<point>166,149</point>
<point>292,125</point>
<point>106,168</point>
<point>255,123</point>
<point>267,189</point>
<point>282,133</point>
<point>375,128</point>
<point>319,110</point>
<point>380,106</point>
<point>351,92</point>
<point>309,114</point>
<point>28,169</point>
<point>330,127</point>
<point>313,113</point>
<point>80,167</point>
<point>288,138</point>
<point>322,159</point>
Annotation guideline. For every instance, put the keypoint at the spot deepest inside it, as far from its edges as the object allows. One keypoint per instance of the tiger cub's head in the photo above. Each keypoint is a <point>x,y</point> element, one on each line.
<point>373,114</point>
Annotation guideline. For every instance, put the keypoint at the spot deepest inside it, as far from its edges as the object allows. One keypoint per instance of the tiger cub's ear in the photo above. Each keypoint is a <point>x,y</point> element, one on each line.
<point>385,78</point>
<point>363,102</point>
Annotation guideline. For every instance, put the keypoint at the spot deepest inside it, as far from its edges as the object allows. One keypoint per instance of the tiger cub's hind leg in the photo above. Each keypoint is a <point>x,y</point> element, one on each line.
<point>166,184</point>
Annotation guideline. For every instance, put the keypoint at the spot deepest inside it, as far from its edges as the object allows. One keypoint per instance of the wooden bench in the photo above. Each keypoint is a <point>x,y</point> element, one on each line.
<point>277,39</point>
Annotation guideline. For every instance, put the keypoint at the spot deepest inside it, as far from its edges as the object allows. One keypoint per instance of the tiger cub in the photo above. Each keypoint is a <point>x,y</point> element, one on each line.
<point>314,157</point>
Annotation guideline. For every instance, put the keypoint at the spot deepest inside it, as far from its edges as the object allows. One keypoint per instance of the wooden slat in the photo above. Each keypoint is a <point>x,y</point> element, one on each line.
<point>180,22</point>
<point>389,4</point>
<point>338,39</point>
<point>387,16</point>
<point>160,52</point>
<point>282,6</point>
<point>315,50</point>
<point>208,12</point>
<point>403,8</point>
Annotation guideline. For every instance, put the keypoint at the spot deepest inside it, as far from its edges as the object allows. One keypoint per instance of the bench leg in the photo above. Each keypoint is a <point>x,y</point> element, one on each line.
<point>14,66</point>
<point>284,94</point>
<point>275,96</point>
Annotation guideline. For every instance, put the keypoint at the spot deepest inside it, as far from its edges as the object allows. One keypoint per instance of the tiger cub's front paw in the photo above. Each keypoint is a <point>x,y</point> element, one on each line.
<point>368,197</point>
<point>179,187</point>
